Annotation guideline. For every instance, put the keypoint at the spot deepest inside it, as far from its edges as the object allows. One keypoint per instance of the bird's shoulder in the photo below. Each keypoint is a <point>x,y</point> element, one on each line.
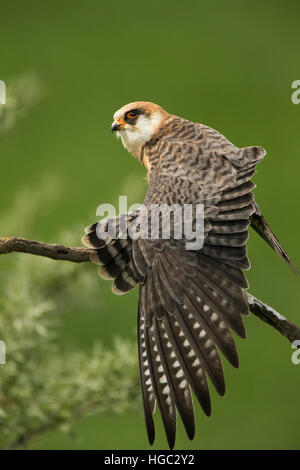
<point>191,144</point>
<point>192,159</point>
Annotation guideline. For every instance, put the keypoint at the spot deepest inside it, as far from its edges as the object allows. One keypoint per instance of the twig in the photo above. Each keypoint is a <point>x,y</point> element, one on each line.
<point>79,255</point>
<point>59,252</point>
<point>23,440</point>
<point>273,318</point>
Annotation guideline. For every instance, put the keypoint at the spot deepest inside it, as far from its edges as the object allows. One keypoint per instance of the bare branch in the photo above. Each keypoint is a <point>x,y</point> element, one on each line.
<point>273,318</point>
<point>80,255</point>
<point>59,252</point>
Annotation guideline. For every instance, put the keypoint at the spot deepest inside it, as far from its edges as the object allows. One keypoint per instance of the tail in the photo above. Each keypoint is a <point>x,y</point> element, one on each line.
<point>259,224</point>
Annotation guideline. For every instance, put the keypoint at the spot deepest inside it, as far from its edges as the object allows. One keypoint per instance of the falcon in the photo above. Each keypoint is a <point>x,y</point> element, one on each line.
<point>189,300</point>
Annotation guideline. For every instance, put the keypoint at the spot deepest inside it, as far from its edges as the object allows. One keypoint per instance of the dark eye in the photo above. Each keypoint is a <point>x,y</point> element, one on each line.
<point>132,114</point>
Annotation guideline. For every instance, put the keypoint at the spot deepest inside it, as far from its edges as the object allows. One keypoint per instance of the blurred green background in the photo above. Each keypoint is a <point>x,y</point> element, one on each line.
<point>227,64</point>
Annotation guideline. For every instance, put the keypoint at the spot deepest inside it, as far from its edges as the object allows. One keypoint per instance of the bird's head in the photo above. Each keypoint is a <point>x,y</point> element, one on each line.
<point>136,123</point>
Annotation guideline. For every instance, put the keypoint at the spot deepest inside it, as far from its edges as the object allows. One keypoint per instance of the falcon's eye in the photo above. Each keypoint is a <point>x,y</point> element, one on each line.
<point>132,114</point>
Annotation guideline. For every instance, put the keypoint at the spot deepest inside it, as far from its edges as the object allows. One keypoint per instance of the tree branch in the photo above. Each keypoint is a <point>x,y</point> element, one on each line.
<point>273,318</point>
<point>80,255</point>
<point>49,250</point>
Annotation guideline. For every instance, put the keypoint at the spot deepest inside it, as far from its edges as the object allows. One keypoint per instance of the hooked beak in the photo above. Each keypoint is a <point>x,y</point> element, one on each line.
<point>117,126</point>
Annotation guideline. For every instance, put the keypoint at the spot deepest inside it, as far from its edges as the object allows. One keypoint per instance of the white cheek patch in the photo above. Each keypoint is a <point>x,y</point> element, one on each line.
<point>133,136</point>
<point>146,126</point>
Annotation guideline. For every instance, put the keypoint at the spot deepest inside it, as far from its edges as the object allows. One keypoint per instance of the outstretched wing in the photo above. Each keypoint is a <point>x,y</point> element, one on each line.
<point>190,301</point>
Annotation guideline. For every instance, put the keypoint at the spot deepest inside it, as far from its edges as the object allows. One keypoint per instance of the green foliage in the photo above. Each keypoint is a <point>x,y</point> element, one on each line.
<point>42,386</point>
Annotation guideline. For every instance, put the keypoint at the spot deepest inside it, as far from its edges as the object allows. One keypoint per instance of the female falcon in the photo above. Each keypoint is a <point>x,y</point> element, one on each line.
<point>189,300</point>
